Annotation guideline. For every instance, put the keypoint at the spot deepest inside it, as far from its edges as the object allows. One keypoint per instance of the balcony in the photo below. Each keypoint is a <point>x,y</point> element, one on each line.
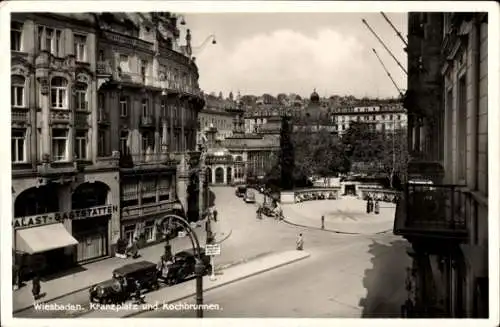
<point>430,212</point>
<point>103,117</point>
<point>19,116</point>
<point>146,159</point>
<point>81,119</point>
<point>60,116</point>
<point>130,41</point>
<point>147,121</point>
<point>148,209</point>
<point>104,69</point>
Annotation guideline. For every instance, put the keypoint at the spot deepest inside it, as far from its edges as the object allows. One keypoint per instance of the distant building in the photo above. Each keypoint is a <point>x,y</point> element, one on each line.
<point>217,114</point>
<point>383,118</point>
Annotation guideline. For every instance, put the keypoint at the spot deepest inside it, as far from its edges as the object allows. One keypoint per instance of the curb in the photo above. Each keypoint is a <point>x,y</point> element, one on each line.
<point>223,284</point>
<point>332,230</point>
<point>86,287</point>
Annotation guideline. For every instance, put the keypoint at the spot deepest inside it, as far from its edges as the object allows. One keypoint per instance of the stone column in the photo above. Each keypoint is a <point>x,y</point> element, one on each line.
<point>183,123</point>
<point>182,181</point>
<point>164,139</point>
<point>46,120</point>
<point>114,223</point>
<point>224,168</point>
<point>114,117</point>
<point>65,193</point>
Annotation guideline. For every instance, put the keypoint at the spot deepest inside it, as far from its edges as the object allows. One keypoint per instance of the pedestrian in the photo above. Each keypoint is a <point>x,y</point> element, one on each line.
<point>259,212</point>
<point>322,222</point>
<point>36,288</point>
<point>369,205</point>
<point>215,214</point>
<point>377,207</point>
<point>300,243</point>
<point>139,297</point>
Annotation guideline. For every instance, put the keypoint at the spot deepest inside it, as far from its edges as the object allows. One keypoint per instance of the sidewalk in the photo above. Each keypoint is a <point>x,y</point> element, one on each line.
<point>156,300</point>
<point>96,272</point>
<point>345,216</point>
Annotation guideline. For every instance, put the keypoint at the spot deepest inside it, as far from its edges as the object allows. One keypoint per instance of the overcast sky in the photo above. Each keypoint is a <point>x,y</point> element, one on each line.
<point>260,53</point>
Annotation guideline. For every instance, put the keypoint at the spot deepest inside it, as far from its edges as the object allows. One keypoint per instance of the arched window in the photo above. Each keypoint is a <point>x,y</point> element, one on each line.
<point>81,97</point>
<point>17,91</point>
<point>59,93</point>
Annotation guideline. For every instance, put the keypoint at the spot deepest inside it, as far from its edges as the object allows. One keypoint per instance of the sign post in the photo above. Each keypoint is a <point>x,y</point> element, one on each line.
<point>212,250</point>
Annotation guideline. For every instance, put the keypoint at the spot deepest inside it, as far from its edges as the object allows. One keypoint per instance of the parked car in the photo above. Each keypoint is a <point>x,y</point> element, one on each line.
<point>240,191</point>
<point>249,196</point>
<point>122,284</point>
<point>183,266</point>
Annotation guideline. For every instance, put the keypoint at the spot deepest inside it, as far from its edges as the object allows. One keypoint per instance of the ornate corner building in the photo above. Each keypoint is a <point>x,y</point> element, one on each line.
<point>104,119</point>
<point>444,212</point>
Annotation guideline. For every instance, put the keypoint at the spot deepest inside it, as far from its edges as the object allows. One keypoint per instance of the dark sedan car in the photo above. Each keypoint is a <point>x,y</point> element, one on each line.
<point>183,266</point>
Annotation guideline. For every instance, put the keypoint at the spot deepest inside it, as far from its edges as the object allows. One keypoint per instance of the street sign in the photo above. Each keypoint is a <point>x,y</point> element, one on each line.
<point>212,249</point>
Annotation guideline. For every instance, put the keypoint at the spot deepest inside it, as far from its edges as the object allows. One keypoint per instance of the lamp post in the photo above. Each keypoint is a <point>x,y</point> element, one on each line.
<point>208,226</point>
<point>199,267</point>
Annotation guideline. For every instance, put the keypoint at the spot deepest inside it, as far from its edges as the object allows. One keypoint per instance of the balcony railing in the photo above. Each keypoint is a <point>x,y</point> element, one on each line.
<point>147,121</point>
<point>102,117</point>
<point>103,68</point>
<point>432,211</point>
<point>19,115</point>
<point>147,209</point>
<point>143,159</point>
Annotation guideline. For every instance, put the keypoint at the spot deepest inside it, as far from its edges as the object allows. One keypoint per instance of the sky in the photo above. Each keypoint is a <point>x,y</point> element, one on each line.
<point>257,53</point>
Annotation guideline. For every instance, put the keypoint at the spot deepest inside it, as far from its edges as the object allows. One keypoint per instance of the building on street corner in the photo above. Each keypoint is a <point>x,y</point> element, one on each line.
<point>447,222</point>
<point>104,119</point>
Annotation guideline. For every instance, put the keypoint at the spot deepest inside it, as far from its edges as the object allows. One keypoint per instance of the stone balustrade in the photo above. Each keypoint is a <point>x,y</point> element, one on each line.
<point>310,194</point>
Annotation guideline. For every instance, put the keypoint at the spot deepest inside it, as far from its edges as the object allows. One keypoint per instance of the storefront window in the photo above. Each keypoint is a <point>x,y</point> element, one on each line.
<point>149,231</point>
<point>129,232</point>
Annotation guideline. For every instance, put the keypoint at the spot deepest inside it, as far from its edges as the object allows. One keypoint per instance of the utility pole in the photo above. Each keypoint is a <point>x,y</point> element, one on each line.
<point>395,29</point>
<point>383,44</point>
<point>388,74</point>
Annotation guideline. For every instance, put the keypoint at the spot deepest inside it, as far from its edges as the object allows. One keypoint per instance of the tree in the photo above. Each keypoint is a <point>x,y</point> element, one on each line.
<point>287,155</point>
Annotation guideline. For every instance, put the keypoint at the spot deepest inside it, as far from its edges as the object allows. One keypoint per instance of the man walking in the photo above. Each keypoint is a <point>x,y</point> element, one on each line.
<point>322,222</point>
<point>215,214</point>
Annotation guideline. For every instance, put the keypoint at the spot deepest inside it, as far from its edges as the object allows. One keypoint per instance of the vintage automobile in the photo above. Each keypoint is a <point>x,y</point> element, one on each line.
<point>249,196</point>
<point>183,267</point>
<point>122,284</point>
<point>240,191</point>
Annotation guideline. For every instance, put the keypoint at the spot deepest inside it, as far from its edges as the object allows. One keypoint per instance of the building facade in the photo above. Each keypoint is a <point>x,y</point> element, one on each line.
<point>104,119</point>
<point>384,118</point>
<point>216,114</point>
<point>242,155</point>
<point>447,222</point>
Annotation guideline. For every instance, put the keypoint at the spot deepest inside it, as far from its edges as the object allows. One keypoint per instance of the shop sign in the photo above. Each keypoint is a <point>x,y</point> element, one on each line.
<point>53,217</point>
<point>212,249</point>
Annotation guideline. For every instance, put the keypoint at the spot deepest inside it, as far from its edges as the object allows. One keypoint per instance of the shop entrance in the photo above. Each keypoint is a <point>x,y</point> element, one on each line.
<point>219,175</point>
<point>91,233</point>
<point>350,189</point>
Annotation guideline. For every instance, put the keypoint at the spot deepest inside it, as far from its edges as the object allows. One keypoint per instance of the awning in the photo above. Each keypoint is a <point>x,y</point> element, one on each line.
<point>43,238</point>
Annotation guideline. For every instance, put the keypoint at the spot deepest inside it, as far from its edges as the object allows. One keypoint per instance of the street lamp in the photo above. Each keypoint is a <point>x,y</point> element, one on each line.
<point>199,267</point>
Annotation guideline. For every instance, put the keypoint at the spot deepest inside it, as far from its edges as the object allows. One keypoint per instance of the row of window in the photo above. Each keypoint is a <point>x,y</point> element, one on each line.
<point>146,108</point>
<point>388,126</point>
<point>175,78</point>
<point>359,118</point>
<point>60,145</point>
<point>49,39</point>
<point>218,123</point>
<point>58,93</point>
